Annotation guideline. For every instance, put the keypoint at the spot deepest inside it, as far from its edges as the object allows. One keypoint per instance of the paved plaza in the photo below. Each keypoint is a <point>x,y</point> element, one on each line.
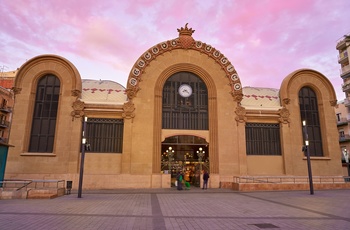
<point>172,209</point>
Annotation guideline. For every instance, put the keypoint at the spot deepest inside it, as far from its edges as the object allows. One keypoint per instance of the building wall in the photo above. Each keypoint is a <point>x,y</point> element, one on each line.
<point>343,47</point>
<point>341,112</point>
<point>225,145</point>
<point>6,107</point>
<point>329,164</point>
<point>138,166</point>
<point>63,161</point>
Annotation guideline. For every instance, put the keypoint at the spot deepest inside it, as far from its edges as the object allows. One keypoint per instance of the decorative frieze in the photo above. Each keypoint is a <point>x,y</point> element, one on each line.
<point>284,116</point>
<point>184,41</point>
<point>78,109</point>
<point>16,90</point>
<point>128,109</point>
<point>75,93</point>
<point>240,114</point>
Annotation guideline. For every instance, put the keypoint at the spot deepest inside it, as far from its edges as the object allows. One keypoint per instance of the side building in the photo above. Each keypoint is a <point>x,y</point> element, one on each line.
<point>183,108</point>
<point>343,107</point>
<point>343,118</point>
<point>6,109</point>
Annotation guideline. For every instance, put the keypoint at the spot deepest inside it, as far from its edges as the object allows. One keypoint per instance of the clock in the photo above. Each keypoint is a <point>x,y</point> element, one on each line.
<point>185,90</point>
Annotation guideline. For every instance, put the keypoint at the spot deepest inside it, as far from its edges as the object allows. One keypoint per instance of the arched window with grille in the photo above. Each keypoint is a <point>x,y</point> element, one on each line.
<point>45,113</point>
<point>185,102</point>
<point>309,113</point>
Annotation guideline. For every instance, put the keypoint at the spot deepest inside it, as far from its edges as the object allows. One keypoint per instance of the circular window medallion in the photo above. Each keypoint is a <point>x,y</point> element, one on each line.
<point>133,81</point>
<point>208,48</point>
<point>234,77</point>
<point>224,60</point>
<point>230,68</point>
<point>136,72</point>
<point>174,42</point>
<point>147,55</point>
<point>216,53</point>
<point>164,45</point>
<point>155,50</point>
<point>141,63</point>
<point>237,86</point>
<point>198,44</point>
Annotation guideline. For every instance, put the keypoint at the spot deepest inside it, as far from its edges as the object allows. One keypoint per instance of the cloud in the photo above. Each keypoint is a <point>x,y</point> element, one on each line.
<point>265,38</point>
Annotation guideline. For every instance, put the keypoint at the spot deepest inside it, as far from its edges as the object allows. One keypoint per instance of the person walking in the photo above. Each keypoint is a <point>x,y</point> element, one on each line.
<point>179,179</point>
<point>205,179</point>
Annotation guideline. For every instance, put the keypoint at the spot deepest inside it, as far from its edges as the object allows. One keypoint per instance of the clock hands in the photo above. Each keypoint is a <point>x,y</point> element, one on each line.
<point>185,90</point>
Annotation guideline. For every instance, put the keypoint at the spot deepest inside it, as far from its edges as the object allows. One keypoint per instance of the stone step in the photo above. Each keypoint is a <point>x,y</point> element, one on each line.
<point>41,196</point>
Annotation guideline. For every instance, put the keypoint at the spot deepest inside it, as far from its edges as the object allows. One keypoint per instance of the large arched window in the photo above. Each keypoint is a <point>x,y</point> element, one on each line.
<point>185,102</point>
<point>45,113</point>
<point>309,113</point>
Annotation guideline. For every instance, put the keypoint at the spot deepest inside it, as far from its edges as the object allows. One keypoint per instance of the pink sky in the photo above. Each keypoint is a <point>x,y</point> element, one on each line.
<point>264,39</point>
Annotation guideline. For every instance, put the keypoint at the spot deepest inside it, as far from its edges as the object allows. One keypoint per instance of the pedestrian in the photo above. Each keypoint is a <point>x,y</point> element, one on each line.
<point>179,179</point>
<point>205,179</point>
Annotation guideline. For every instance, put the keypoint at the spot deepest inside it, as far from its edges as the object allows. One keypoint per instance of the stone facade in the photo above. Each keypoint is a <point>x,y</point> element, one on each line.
<point>139,163</point>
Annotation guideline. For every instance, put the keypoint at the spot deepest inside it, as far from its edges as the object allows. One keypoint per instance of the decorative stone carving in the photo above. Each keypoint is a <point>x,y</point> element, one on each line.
<point>78,109</point>
<point>128,109</point>
<point>237,96</point>
<point>184,41</point>
<point>286,101</point>
<point>284,115</point>
<point>75,93</point>
<point>131,92</point>
<point>16,90</point>
<point>240,112</point>
<point>333,103</point>
<point>185,37</point>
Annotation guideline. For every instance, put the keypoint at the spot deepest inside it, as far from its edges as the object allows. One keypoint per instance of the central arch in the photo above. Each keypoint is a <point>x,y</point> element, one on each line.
<point>212,109</point>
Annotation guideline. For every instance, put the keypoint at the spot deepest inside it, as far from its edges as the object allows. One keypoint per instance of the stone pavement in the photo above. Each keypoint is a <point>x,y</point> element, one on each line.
<point>172,209</point>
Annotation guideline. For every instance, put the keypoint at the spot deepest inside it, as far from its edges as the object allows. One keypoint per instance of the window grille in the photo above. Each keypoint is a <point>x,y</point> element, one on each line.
<point>263,139</point>
<point>185,112</point>
<point>309,113</point>
<point>104,135</point>
<point>45,114</point>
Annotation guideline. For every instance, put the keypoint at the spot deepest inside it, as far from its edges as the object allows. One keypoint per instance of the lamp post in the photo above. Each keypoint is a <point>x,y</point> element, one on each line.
<point>200,154</point>
<point>170,153</point>
<point>83,142</point>
<point>346,156</point>
<point>307,153</point>
<point>186,156</point>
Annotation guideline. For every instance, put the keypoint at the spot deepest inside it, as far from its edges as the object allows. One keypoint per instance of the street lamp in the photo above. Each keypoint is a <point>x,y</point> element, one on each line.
<point>346,156</point>
<point>170,153</point>
<point>186,157</point>
<point>83,142</point>
<point>307,153</point>
<point>200,154</point>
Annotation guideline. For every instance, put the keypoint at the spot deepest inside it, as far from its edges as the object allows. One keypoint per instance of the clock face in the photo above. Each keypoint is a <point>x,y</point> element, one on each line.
<point>185,90</point>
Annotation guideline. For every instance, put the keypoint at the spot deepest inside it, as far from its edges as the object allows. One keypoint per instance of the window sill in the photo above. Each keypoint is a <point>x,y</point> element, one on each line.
<point>318,158</point>
<point>39,154</point>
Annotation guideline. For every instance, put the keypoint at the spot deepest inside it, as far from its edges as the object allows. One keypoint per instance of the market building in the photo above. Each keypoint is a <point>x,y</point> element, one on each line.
<point>183,108</point>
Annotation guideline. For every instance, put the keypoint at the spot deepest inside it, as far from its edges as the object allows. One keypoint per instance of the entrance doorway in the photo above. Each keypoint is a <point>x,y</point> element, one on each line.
<point>3,159</point>
<point>187,154</point>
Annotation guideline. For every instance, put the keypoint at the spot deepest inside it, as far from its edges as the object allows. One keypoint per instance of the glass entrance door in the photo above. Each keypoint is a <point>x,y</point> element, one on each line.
<point>3,158</point>
<point>185,154</point>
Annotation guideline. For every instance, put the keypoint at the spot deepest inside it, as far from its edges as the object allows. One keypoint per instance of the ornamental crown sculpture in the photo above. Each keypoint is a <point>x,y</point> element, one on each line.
<point>185,31</point>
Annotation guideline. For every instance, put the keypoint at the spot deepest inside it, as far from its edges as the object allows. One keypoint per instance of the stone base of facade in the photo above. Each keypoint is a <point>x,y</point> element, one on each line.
<point>92,182</point>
